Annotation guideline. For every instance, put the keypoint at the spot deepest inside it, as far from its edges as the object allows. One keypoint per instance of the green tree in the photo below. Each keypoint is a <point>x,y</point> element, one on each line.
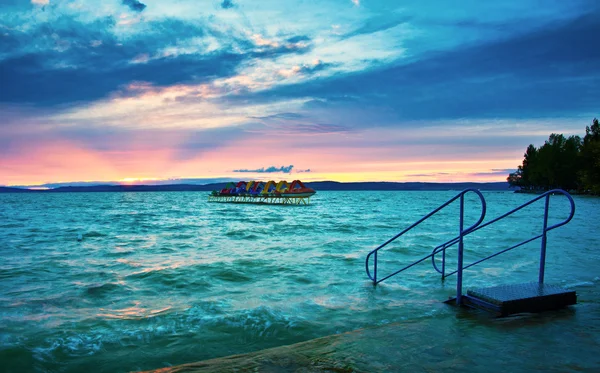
<point>530,167</point>
<point>526,176</point>
<point>515,179</point>
<point>590,158</point>
<point>554,165</point>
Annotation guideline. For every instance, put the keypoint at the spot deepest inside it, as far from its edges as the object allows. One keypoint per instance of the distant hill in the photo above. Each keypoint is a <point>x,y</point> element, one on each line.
<point>318,186</point>
<point>13,190</point>
<point>334,185</point>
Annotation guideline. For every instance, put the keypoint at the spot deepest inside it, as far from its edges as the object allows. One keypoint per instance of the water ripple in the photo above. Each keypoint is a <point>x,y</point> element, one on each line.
<point>156,273</point>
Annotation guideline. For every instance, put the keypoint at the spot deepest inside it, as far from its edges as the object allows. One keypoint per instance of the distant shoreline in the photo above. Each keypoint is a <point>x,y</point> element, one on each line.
<point>318,186</point>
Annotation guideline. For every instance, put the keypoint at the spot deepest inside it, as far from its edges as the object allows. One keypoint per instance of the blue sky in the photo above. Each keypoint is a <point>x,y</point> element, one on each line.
<point>348,90</point>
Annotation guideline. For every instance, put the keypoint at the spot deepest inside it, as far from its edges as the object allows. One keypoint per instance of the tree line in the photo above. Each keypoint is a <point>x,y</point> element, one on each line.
<point>571,164</point>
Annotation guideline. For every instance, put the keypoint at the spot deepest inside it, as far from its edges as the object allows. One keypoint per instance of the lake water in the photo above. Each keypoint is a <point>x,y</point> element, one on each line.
<point>168,278</point>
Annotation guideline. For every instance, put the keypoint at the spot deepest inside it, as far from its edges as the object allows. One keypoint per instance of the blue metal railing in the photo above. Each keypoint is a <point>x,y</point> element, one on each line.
<point>475,227</point>
<point>442,248</point>
<point>461,230</point>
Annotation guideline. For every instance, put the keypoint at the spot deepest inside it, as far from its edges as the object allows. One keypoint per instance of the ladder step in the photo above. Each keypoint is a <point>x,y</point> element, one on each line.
<point>517,298</point>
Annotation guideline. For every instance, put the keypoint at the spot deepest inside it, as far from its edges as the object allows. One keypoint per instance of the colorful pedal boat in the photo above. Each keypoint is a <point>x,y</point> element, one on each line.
<point>269,189</point>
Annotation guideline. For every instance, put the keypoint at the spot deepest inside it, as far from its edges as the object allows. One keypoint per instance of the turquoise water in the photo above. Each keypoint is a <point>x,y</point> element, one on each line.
<point>168,278</point>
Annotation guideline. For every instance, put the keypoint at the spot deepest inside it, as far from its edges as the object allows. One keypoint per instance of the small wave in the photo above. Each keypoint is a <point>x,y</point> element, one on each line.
<point>134,313</point>
<point>261,323</point>
<point>242,234</point>
<point>74,346</point>
<point>8,273</point>
<point>250,263</point>
<point>260,267</point>
<point>579,284</point>
<point>12,225</point>
<point>384,225</point>
<point>270,219</point>
<point>351,259</point>
<point>94,234</point>
<point>161,275</point>
<point>301,279</point>
<point>343,258</point>
<point>231,275</point>
<point>183,236</point>
<point>295,228</point>
<point>129,327</point>
<point>118,252</point>
<point>177,226</point>
<point>178,277</point>
<point>102,290</point>
<point>345,228</point>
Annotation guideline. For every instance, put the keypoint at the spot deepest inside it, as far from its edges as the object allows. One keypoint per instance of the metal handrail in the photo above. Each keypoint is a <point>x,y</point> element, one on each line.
<point>543,235</point>
<point>462,233</point>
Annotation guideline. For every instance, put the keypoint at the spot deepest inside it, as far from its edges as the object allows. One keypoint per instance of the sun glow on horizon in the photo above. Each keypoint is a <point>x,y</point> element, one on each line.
<point>137,180</point>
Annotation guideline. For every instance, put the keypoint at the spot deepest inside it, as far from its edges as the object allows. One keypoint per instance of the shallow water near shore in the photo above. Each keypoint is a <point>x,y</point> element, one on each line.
<point>167,278</point>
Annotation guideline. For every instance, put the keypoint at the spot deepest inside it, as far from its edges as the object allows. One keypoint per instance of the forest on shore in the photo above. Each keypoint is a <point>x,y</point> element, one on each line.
<point>572,164</point>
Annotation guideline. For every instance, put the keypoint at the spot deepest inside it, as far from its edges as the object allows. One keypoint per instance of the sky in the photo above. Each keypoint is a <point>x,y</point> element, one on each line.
<point>157,91</point>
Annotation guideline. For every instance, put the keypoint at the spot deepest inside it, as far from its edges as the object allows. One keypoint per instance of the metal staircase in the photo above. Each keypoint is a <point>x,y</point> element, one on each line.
<point>505,299</point>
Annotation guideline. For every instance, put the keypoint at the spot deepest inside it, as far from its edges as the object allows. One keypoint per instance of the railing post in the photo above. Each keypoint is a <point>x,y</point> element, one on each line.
<point>460,252</point>
<point>375,268</point>
<point>444,264</point>
<point>544,233</point>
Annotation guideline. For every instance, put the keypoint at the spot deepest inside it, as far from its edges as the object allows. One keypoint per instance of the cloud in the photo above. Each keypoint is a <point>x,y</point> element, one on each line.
<point>315,67</point>
<point>503,170</point>
<point>550,70</point>
<point>227,4</point>
<point>169,181</point>
<point>377,24</point>
<point>271,169</point>
<point>432,174</point>
<point>298,38</point>
<point>67,61</point>
<point>40,2</point>
<point>496,172</point>
<point>26,79</point>
<point>356,2</point>
<point>134,5</point>
<point>296,123</point>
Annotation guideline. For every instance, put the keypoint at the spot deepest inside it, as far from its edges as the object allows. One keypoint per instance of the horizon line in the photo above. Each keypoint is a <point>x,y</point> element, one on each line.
<point>42,187</point>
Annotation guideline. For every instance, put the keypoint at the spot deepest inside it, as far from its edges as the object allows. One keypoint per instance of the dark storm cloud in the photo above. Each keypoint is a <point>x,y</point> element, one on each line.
<point>27,79</point>
<point>66,61</point>
<point>134,5</point>
<point>552,71</point>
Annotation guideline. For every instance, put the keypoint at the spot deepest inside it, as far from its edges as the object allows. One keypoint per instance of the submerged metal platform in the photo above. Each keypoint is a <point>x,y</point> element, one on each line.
<point>261,199</point>
<point>507,300</point>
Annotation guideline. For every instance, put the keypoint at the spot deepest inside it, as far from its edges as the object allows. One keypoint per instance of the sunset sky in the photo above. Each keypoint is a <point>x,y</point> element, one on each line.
<point>345,90</point>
